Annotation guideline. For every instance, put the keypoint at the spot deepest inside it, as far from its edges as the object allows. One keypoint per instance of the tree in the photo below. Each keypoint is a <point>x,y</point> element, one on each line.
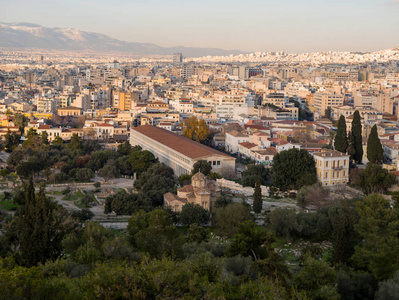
<point>155,182</point>
<point>227,219</point>
<point>125,148</point>
<point>58,141</point>
<point>29,168</point>
<point>328,112</point>
<point>8,113</point>
<point>40,229</point>
<point>293,168</point>
<point>108,172</point>
<point>195,130</point>
<point>341,139</point>
<point>351,146</point>
<point>194,214</point>
<point>378,225</point>
<point>376,179</point>
<point>45,138</point>
<point>389,289</point>
<point>202,132</point>
<point>248,241</point>
<point>317,279</point>
<point>123,203</point>
<point>374,147</point>
<point>82,215</point>
<point>21,121</point>
<point>251,174</point>
<point>11,141</point>
<point>357,137</point>
<point>155,234</point>
<point>141,161</point>
<point>257,198</point>
<point>344,236</point>
<point>223,200</point>
<point>202,166</point>
<point>84,174</point>
<point>312,195</point>
<point>32,139</point>
<point>75,142</point>
<point>197,234</point>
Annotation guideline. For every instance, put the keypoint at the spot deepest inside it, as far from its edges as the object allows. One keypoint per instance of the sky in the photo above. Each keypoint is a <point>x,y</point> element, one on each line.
<point>293,26</point>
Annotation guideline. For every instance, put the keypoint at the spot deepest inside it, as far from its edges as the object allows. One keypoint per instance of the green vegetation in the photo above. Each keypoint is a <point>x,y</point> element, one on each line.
<point>293,169</point>
<point>357,137</point>
<point>374,147</point>
<point>341,139</point>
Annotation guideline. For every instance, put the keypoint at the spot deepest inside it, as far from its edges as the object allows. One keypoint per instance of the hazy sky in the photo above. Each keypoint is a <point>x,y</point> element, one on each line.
<point>250,25</point>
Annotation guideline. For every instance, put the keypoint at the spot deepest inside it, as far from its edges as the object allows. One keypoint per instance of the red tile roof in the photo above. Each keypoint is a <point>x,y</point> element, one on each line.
<point>178,143</point>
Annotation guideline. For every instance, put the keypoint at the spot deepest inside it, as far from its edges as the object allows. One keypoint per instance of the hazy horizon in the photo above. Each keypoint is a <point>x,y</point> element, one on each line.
<point>290,26</point>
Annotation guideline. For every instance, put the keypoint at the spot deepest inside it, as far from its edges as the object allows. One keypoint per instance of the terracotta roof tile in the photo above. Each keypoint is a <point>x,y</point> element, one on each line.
<point>178,143</point>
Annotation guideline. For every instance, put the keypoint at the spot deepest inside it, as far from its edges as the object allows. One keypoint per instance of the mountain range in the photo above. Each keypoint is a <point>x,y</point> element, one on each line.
<point>27,35</point>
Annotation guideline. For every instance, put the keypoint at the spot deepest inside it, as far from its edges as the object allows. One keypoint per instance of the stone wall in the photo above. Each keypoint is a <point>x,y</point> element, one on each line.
<point>237,188</point>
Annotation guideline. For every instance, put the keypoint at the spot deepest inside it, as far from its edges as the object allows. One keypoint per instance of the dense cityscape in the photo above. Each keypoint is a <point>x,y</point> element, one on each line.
<point>134,171</point>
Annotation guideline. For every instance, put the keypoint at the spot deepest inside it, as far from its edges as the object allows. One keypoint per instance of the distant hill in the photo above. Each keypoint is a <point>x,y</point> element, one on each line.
<point>27,35</point>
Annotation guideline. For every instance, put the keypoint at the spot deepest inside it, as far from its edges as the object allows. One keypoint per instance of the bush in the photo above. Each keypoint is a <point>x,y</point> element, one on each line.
<point>194,214</point>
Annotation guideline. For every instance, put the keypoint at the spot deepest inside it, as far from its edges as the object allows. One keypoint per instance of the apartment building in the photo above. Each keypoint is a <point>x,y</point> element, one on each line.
<point>332,167</point>
<point>322,101</point>
<point>276,99</point>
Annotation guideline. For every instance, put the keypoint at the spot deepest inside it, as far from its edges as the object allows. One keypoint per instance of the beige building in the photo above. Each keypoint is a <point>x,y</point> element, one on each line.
<point>69,111</point>
<point>324,100</point>
<point>201,191</point>
<point>178,152</point>
<point>332,167</point>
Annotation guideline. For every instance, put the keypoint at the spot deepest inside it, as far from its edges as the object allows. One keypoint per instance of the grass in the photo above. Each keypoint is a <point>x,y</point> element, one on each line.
<point>74,196</point>
<point>55,193</point>
<point>8,205</point>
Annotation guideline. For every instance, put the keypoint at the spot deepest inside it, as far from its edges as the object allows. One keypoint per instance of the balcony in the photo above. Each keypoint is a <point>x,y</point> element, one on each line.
<point>337,168</point>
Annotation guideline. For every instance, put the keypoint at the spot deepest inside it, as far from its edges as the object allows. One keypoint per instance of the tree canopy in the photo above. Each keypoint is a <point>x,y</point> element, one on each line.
<point>374,147</point>
<point>293,169</point>
<point>341,139</point>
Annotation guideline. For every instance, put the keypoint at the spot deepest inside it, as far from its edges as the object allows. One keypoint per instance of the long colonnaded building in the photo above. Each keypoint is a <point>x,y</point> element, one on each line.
<point>178,152</point>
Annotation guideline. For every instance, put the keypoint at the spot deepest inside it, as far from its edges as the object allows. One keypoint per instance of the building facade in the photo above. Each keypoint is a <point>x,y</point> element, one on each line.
<point>332,167</point>
<point>178,152</point>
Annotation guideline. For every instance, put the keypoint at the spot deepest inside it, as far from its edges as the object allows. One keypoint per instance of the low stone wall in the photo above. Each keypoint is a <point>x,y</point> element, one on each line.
<point>237,188</point>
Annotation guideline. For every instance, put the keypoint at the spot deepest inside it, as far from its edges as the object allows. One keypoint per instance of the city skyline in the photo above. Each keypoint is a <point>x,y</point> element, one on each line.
<point>288,26</point>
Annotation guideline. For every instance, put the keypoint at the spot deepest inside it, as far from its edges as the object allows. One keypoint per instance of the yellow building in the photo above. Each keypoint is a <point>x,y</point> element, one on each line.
<point>332,167</point>
<point>69,111</point>
<point>127,100</point>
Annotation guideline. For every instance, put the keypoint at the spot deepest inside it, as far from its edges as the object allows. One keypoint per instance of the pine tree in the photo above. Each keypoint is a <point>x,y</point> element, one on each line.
<point>341,140</point>
<point>374,147</point>
<point>357,137</point>
<point>257,204</point>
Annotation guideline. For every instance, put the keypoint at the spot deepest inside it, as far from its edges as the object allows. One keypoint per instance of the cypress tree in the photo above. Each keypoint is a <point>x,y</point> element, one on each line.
<point>351,146</point>
<point>257,204</point>
<point>341,140</point>
<point>38,232</point>
<point>357,137</point>
<point>374,147</point>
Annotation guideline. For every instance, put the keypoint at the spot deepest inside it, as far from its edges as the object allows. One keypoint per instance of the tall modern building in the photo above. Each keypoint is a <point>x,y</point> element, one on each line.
<point>177,58</point>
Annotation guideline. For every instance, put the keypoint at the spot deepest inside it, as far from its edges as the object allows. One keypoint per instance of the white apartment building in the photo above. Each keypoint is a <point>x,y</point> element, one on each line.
<point>46,105</point>
<point>233,139</point>
<point>276,99</point>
